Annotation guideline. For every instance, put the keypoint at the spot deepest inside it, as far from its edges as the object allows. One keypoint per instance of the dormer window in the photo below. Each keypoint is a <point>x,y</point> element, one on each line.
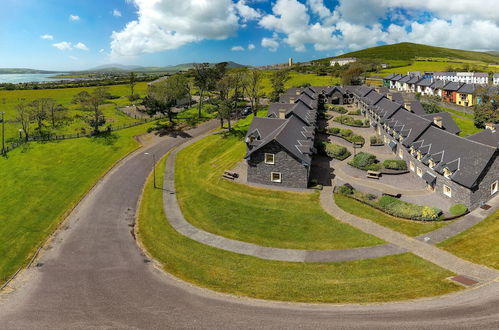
<point>269,159</point>
<point>447,172</point>
<point>412,150</point>
<point>431,163</point>
<point>419,155</point>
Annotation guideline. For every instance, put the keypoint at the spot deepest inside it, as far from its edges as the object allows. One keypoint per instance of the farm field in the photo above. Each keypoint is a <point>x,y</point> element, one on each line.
<point>74,123</point>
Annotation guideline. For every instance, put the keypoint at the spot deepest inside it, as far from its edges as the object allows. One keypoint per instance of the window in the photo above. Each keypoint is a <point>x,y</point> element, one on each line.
<point>411,166</point>
<point>447,191</point>
<point>419,172</point>
<point>447,172</point>
<point>401,154</point>
<point>431,163</point>
<point>269,159</point>
<point>275,177</point>
<point>494,187</point>
<point>420,155</point>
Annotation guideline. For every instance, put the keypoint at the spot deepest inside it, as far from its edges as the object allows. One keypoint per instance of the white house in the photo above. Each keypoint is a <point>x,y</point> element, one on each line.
<point>496,79</point>
<point>481,78</point>
<point>342,61</point>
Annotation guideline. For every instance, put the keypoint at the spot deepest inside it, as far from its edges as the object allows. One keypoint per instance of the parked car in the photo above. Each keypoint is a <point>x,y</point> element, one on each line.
<point>246,111</point>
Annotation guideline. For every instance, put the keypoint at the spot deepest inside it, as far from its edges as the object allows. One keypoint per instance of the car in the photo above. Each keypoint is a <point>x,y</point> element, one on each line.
<point>246,111</point>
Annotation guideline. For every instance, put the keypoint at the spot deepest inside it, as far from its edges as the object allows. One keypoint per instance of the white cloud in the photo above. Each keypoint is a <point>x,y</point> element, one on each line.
<point>74,18</point>
<point>63,45</point>
<point>47,37</point>
<point>101,50</point>
<point>246,12</point>
<point>81,46</point>
<point>169,24</point>
<point>251,46</point>
<point>116,13</point>
<point>237,49</point>
<point>271,43</point>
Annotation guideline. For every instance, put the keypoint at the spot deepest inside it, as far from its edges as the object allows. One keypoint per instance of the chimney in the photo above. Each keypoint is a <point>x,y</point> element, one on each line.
<point>282,114</point>
<point>291,100</point>
<point>438,121</point>
<point>389,96</point>
<point>407,105</point>
<point>490,126</point>
<point>298,92</point>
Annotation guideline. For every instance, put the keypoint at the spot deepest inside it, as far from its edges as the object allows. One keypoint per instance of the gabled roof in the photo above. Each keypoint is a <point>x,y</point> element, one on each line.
<point>487,136</point>
<point>466,158</point>
<point>373,97</point>
<point>405,79</point>
<point>290,133</point>
<point>448,123</point>
<point>275,107</point>
<point>452,86</point>
<point>417,108</point>
<point>467,89</point>
<point>414,80</point>
<point>438,84</point>
<point>426,82</point>
<point>390,76</point>
<point>397,77</point>
<point>409,125</point>
<point>386,108</point>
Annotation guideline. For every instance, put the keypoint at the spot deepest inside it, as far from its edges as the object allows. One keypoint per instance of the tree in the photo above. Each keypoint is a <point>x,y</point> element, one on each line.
<point>487,111</point>
<point>24,117</point>
<point>352,75</point>
<point>277,80</point>
<point>131,82</point>
<point>91,103</point>
<point>38,109</point>
<point>80,97</point>
<point>202,79</point>
<point>162,96</point>
<point>254,89</point>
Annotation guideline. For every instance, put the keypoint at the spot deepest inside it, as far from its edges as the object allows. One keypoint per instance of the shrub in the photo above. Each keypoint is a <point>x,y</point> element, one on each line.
<point>375,140</point>
<point>346,189</point>
<point>354,112</point>
<point>334,130</point>
<point>339,109</point>
<point>357,139</point>
<point>362,160</point>
<point>346,132</point>
<point>395,164</point>
<point>347,120</point>
<point>336,151</point>
<point>458,209</point>
<point>398,208</point>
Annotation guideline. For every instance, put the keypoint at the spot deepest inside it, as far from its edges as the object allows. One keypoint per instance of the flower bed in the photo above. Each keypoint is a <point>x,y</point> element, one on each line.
<point>365,161</point>
<point>391,205</point>
<point>350,121</point>
<point>376,141</point>
<point>336,151</point>
<point>338,109</point>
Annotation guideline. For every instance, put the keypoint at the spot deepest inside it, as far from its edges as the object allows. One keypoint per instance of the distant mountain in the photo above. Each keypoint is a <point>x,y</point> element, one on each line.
<point>137,68</point>
<point>410,51</point>
<point>493,52</point>
<point>24,71</point>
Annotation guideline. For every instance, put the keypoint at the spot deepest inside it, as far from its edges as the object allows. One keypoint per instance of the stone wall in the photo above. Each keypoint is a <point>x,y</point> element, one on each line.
<point>483,193</point>
<point>293,173</point>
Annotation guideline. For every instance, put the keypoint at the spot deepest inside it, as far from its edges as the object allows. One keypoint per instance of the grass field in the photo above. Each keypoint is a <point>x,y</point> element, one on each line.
<point>467,126</point>
<point>265,217</point>
<point>373,280</point>
<point>64,96</point>
<point>42,181</point>
<point>479,244</point>
<point>408,227</point>
<point>298,79</point>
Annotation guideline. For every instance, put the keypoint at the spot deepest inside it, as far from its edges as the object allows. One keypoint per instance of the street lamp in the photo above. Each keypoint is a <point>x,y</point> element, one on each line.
<point>3,132</point>
<point>153,167</point>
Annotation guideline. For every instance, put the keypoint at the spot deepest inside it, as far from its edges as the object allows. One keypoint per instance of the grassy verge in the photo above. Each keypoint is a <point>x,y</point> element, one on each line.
<point>42,181</point>
<point>374,280</point>
<point>479,244</point>
<point>260,216</point>
<point>408,227</point>
<point>467,126</point>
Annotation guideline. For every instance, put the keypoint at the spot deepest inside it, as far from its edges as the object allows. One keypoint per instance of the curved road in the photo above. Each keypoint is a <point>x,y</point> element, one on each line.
<point>93,275</point>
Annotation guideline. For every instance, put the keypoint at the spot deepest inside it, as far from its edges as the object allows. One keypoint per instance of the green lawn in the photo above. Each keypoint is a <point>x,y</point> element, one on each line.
<point>265,217</point>
<point>459,113</point>
<point>479,244</point>
<point>42,181</point>
<point>467,126</point>
<point>372,280</point>
<point>408,227</point>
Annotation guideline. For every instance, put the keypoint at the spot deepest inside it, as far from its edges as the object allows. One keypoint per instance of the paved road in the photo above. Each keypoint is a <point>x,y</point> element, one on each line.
<point>94,276</point>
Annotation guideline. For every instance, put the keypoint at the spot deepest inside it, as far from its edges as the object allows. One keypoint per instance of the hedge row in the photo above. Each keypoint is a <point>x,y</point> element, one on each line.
<point>350,121</point>
<point>392,205</point>
<point>347,134</point>
<point>336,151</point>
<point>338,109</point>
<point>368,162</point>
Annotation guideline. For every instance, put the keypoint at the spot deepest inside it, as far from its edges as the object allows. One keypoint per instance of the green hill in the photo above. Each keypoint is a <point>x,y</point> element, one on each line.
<point>406,51</point>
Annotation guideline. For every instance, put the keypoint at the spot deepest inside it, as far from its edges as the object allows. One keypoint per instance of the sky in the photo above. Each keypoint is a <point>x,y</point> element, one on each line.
<point>80,34</point>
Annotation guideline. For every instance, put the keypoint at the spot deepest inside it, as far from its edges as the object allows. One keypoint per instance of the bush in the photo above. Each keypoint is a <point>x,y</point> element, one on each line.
<point>346,189</point>
<point>346,132</point>
<point>350,121</point>
<point>354,112</point>
<point>458,209</point>
<point>395,164</point>
<point>334,130</point>
<point>134,97</point>
<point>375,140</point>
<point>339,109</point>
<point>336,151</point>
<point>362,160</point>
<point>357,139</point>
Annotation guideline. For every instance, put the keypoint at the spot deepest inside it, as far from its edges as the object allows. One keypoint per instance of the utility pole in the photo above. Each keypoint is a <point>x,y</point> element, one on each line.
<point>3,132</point>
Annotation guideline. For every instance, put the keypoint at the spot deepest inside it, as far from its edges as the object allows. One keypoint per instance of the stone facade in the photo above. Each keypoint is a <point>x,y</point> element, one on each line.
<point>293,173</point>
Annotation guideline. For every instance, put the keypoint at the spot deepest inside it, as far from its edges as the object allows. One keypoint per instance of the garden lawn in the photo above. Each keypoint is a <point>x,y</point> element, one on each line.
<point>265,217</point>
<point>42,181</point>
<point>371,280</point>
<point>479,244</point>
<point>408,227</point>
<point>467,126</point>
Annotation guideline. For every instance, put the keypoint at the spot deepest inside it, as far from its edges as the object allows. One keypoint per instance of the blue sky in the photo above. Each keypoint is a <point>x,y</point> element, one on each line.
<point>79,34</point>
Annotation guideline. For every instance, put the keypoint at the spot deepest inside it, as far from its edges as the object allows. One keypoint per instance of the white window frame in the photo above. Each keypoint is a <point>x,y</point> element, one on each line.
<point>493,189</point>
<point>273,158</point>
<point>401,153</point>
<point>277,180</point>
<point>447,173</point>
<point>447,191</point>
<point>419,172</point>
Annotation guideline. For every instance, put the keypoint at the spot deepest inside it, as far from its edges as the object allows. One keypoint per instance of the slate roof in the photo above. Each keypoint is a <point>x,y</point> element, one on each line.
<point>447,122</point>
<point>398,97</point>
<point>290,133</point>
<point>390,76</point>
<point>373,97</point>
<point>426,82</point>
<point>409,125</point>
<point>438,84</point>
<point>414,80</point>
<point>385,109</point>
<point>487,137</point>
<point>467,159</point>
<point>452,86</point>
<point>467,89</point>
<point>417,108</point>
<point>405,79</point>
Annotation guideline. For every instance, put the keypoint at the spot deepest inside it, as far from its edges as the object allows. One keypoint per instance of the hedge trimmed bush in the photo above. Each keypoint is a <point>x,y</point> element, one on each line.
<point>334,130</point>
<point>365,161</point>
<point>347,134</point>
<point>458,209</point>
<point>392,205</point>
<point>336,151</point>
<point>355,112</point>
<point>395,164</point>
<point>350,121</point>
<point>376,140</point>
<point>338,109</point>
